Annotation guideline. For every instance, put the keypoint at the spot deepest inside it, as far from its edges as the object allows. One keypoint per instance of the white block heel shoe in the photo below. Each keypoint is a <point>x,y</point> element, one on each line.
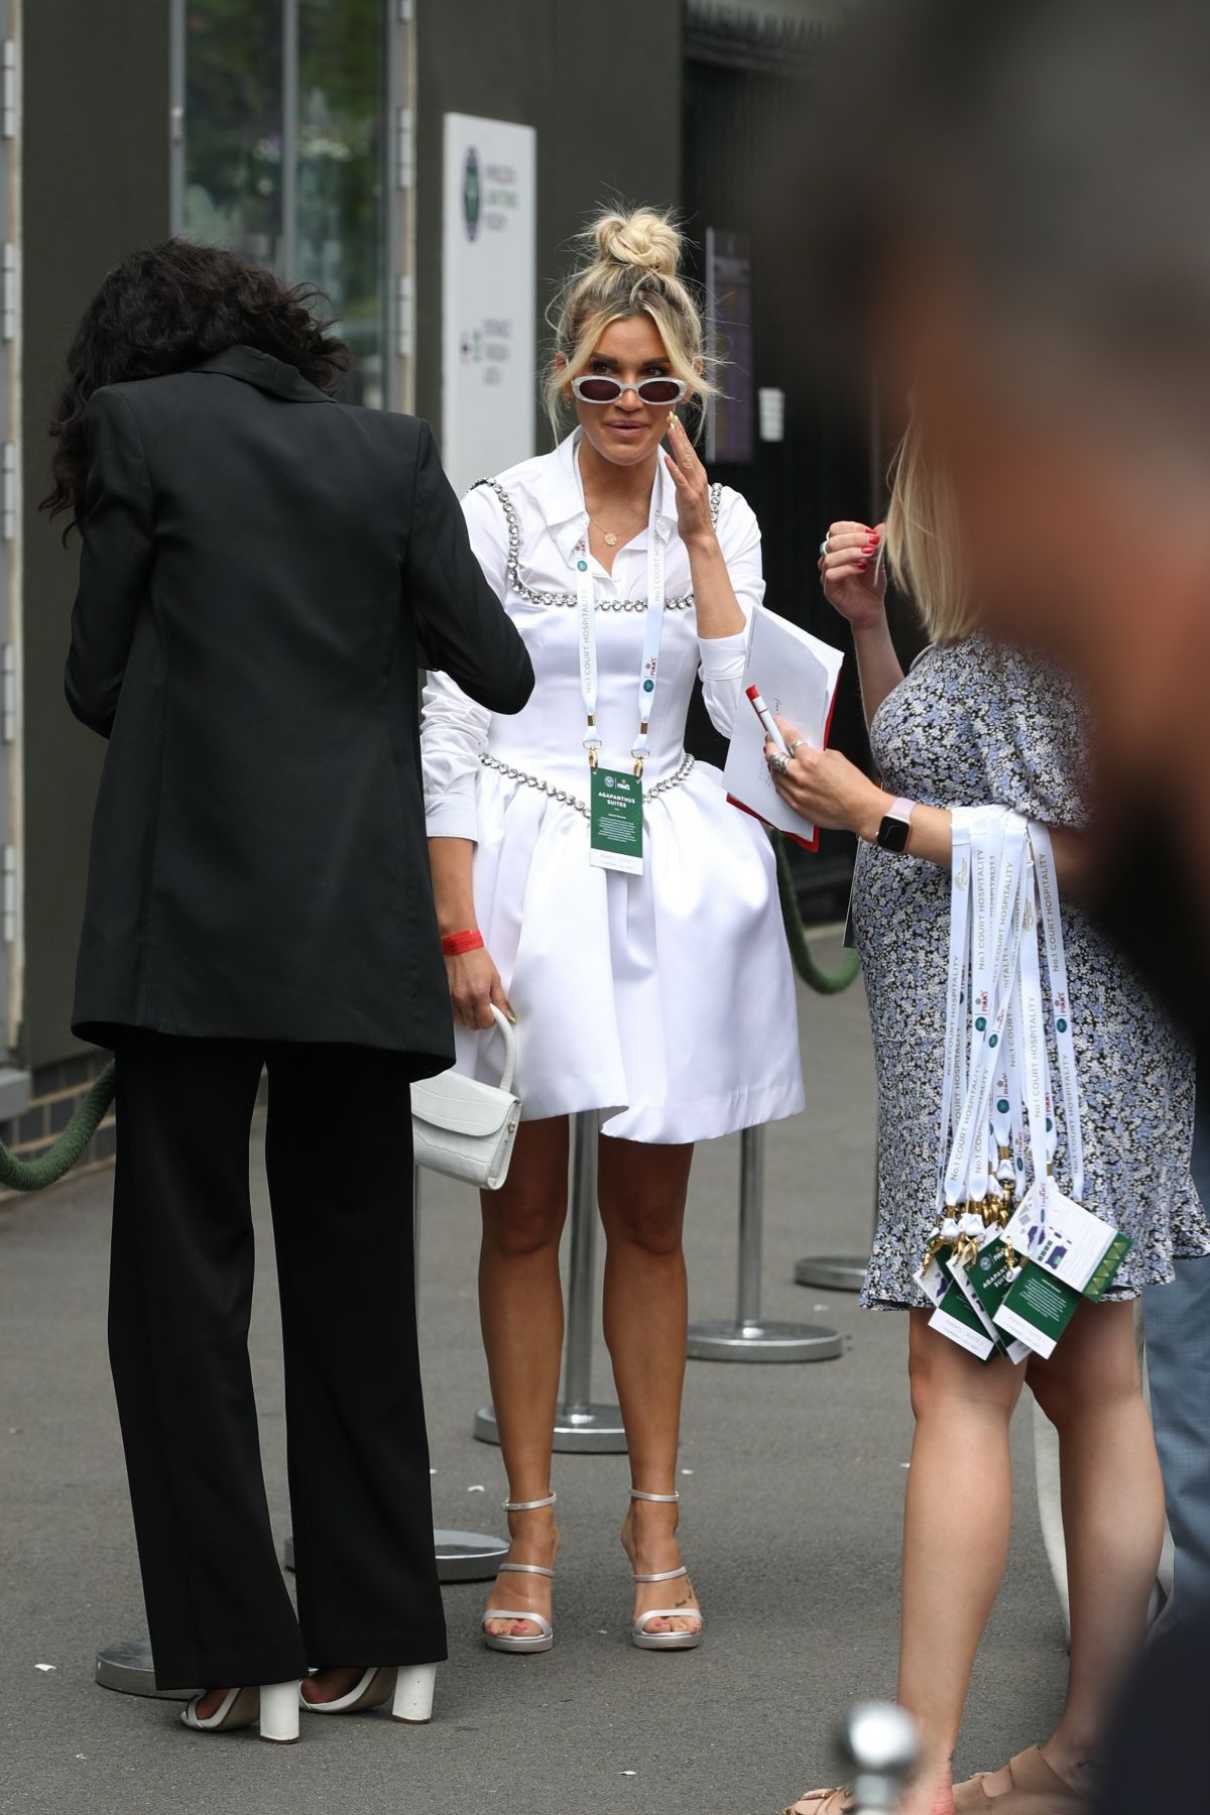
<point>665,1641</point>
<point>414,1688</point>
<point>272,1708</point>
<point>408,1687</point>
<point>544,1638</point>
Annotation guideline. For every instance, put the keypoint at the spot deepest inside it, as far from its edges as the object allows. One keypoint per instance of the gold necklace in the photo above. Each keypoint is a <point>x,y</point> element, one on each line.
<point>609,536</point>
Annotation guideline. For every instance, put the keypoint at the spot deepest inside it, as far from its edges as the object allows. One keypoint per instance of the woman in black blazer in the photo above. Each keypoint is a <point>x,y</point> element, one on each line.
<point>262,571</point>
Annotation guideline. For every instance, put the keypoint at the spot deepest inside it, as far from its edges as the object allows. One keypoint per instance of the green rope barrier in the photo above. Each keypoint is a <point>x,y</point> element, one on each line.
<point>823,982</point>
<point>35,1175</point>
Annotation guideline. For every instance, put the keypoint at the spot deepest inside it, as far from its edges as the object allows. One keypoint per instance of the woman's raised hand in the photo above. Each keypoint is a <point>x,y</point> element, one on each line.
<point>852,576</point>
<point>475,987</point>
<point>692,483</point>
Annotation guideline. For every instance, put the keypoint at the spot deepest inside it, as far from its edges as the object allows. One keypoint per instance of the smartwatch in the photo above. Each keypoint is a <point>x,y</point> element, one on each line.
<point>896,824</point>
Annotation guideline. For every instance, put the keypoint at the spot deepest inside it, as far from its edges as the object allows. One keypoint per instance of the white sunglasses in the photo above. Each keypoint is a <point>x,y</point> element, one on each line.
<point>663,393</point>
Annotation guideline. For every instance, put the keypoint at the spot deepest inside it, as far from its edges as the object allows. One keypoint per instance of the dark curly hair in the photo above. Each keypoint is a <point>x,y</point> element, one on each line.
<point>171,307</point>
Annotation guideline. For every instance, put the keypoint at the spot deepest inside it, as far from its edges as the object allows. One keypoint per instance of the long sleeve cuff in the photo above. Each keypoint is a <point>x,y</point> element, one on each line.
<point>453,817</point>
<point>723,658</point>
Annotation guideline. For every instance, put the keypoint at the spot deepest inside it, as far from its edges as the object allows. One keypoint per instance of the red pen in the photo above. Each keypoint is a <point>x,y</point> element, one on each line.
<point>767,720</point>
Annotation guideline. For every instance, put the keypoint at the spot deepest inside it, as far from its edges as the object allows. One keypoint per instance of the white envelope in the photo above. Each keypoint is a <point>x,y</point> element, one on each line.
<point>797,675</point>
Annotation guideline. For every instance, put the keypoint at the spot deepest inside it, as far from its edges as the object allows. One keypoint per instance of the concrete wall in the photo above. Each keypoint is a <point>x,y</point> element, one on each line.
<point>95,184</point>
<point>601,82</point>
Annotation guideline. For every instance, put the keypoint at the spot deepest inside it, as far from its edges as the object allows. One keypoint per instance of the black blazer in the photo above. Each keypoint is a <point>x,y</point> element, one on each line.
<point>261,570</point>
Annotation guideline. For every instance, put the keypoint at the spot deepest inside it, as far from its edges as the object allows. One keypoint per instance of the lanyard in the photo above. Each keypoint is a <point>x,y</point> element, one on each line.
<point>1060,1001</point>
<point>586,603</point>
<point>986,850</point>
<point>1006,1121</point>
<point>953,1077</point>
<point>1035,1064</point>
<point>968,1154</point>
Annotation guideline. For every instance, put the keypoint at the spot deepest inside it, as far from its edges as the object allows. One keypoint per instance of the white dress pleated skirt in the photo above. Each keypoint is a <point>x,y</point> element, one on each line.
<point>667,999</point>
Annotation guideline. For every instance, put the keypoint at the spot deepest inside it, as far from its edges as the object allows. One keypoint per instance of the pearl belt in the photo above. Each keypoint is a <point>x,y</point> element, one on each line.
<point>572,800</point>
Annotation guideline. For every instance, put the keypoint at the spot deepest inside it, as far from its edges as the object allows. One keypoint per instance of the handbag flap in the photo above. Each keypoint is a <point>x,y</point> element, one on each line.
<point>462,1105</point>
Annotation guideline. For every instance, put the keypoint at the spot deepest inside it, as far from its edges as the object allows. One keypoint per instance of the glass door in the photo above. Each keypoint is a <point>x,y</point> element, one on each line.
<point>291,144</point>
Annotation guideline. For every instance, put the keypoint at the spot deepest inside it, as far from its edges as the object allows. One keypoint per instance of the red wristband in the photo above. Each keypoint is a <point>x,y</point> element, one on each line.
<point>453,945</point>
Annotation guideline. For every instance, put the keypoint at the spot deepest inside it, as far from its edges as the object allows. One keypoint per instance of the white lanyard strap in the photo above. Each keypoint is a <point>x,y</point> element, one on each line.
<point>1006,1092</point>
<point>586,605</point>
<point>1060,1000</point>
<point>653,630</point>
<point>1035,1065</point>
<point>986,849</point>
<point>953,1077</point>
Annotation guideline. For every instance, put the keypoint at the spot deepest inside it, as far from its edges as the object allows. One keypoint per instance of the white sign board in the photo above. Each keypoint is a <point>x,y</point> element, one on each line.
<point>488,367</point>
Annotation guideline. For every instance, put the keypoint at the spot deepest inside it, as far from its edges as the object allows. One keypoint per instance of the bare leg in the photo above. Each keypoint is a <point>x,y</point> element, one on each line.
<point>955,1539</point>
<point>521,1313</point>
<point>1113,1517</point>
<point>642,1191</point>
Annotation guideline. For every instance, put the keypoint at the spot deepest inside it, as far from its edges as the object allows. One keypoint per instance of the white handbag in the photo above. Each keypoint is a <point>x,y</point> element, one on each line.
<point>467,1129</point>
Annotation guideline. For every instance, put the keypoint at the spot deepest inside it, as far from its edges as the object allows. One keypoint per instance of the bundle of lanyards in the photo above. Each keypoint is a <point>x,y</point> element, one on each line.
<point>1011,1255</point>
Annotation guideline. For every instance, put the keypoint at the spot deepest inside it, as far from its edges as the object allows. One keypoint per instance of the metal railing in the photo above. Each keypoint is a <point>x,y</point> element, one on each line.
<point>749,1336</point>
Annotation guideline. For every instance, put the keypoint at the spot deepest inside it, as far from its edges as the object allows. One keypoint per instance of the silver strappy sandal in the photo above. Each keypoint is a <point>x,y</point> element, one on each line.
<point>544,1638</point>
<point>665,1641</point>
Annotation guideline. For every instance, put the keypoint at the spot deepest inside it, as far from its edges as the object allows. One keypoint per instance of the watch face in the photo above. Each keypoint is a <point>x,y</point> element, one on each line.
<point>893,834</point>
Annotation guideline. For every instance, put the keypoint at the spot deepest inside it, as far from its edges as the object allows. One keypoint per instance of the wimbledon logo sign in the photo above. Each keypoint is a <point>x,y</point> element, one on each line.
<point>472,194</point>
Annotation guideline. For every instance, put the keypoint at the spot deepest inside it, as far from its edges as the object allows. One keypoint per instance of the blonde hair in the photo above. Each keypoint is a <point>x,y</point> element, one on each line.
<point>921,543</point>
<point>631,266</point>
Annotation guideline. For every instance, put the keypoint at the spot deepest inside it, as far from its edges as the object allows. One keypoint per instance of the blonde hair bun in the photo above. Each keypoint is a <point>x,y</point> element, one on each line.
<point>629,265</point>
<point>644,240</point>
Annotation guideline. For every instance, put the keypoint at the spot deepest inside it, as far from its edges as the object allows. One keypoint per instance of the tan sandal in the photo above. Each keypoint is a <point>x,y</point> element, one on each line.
<point>823,1802</point>
<point>1029,1775</point>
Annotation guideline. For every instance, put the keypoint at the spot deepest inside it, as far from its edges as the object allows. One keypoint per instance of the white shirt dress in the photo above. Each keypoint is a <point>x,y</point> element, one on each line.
<point>666,1000</point>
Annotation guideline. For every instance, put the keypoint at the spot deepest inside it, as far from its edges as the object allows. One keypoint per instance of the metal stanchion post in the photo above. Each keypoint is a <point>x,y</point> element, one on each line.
<point>836,1272</point>
<point>127,1667</point>
<point>579,1424</point>
<point>749,1337</point>
<point>879,1744</point>
<point>462,1556</point>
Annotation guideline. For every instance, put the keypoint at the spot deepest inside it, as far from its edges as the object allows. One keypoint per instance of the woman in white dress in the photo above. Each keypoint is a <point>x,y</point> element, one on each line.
<point>662,999</point>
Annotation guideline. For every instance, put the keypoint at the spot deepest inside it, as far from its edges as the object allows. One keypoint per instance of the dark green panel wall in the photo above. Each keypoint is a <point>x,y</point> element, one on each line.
<point>95,184</point>
<point>601,82</point>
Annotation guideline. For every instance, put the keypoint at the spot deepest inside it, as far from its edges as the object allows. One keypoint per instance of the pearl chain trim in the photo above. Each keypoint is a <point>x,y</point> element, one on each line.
<point>568,599</point>
<point>572,800</point>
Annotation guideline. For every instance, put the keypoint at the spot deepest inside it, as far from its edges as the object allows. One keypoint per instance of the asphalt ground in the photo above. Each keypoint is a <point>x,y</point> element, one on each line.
<point>792,1486</point>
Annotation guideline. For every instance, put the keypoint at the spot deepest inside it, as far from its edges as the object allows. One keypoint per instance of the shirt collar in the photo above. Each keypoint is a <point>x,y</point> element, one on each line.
<point>268,374</point>
<point>559,492</point>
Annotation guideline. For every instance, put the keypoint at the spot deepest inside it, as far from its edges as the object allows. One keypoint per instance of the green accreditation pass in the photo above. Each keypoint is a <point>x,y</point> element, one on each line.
<point>957,1318</point>
<point>1068,1253</point>
<point>986,1281</point>
<point>616,821</point>
<point>1036,1309</point>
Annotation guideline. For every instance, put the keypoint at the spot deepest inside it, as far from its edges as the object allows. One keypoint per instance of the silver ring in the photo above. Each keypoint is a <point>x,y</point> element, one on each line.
<point>778,762</point>
<point>796,745</point>
<point>823,547</point>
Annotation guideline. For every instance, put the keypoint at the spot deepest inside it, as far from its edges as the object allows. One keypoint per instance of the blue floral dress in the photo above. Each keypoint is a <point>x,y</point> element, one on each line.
<point>978,723</point>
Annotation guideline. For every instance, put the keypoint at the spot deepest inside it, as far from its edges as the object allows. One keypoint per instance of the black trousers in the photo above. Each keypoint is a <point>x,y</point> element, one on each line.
<point>339,1153</point>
